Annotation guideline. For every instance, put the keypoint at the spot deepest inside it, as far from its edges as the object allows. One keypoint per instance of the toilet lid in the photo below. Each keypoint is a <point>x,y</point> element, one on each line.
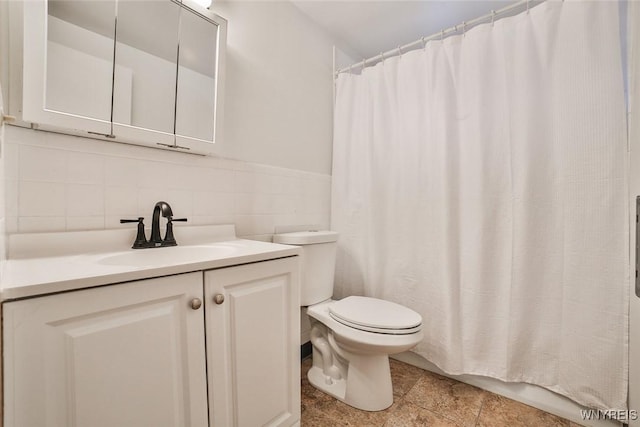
<point>375,315</point>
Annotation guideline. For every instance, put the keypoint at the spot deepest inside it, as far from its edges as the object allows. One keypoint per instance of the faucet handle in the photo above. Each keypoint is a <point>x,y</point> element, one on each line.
<point>124,221</point>
<point>169,240</point>
<point>141,238</point>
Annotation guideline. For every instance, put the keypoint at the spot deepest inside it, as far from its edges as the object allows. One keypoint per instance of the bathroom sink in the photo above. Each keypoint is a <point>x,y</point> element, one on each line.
<point>168,256</point>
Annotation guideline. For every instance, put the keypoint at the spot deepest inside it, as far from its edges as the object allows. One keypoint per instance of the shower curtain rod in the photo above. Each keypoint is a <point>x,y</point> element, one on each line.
<point>398,51</point>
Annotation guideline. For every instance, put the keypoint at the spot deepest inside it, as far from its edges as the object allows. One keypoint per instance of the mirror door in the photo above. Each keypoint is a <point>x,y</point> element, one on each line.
<point>68,57</point>
<point>196,94</point>
<point>146,71</point>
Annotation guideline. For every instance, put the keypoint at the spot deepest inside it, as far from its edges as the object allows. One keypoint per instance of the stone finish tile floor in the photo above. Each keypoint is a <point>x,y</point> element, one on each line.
<point>422,398</point>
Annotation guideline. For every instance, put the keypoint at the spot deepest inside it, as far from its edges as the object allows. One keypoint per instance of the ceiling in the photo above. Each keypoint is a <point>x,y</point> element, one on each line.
<point>366,28</point>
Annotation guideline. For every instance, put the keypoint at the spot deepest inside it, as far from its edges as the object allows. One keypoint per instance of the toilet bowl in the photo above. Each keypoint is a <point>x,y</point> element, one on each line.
<point>351,338</point>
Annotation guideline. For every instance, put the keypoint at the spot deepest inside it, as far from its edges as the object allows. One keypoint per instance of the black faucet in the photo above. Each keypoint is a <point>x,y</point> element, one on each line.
<point>156,241</point>
<point>163,207</point>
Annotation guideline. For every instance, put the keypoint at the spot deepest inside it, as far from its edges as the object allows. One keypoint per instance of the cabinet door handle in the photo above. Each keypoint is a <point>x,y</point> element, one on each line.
<point>196,303</point>
<point>218,298</point>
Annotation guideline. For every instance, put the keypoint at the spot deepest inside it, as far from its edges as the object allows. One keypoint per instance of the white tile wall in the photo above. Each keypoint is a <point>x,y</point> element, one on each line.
<point>58,182</point>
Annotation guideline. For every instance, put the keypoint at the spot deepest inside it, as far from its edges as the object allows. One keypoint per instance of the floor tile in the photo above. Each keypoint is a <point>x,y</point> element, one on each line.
<point>452,399</point>
<point>409,415</point>
<point>403,377</point>
<point>345,415</point>
<point>422,398</point>
<point>313,418</point>
<point>498,411</point>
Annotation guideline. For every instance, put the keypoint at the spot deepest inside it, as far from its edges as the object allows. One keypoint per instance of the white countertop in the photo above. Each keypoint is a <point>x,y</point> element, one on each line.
<point>211,247</point>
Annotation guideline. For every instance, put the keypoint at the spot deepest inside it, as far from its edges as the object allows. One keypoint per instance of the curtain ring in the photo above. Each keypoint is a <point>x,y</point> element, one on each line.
<point>493,17</point>
<point>441,35</point>
<point>527,6</point>
<point>399,51</point>
<point>364,63</point>
<point>464,28</point>
<point>382,57</point>
<point>424,43</point>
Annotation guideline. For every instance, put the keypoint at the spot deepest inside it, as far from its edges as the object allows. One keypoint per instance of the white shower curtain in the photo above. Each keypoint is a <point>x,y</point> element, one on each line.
<point>481,181</point>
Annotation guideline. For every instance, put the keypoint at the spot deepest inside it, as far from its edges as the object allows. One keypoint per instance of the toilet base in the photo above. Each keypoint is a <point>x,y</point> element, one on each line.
<point>334,388</point>
<point>366,385</point>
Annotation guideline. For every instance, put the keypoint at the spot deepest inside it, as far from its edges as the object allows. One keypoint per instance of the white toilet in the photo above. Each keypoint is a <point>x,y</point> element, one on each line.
<point>352,338</point>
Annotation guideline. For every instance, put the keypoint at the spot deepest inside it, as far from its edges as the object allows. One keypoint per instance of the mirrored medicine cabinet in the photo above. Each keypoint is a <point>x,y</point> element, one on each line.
<point>147,72</point>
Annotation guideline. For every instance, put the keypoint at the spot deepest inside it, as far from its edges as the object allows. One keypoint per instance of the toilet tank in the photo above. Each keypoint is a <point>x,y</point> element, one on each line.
<point>318,262</point>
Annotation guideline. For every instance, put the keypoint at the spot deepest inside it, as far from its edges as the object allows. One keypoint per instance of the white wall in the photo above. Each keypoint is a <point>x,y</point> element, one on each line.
<point>278,92</point>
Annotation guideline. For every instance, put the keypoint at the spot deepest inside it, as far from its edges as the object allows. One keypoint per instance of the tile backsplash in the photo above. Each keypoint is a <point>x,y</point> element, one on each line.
<point>57,182</point>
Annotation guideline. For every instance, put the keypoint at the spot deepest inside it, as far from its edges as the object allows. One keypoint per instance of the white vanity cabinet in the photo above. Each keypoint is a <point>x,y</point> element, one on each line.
<point>253,344</point>
<point>131,354</point>
<point>134,354</point>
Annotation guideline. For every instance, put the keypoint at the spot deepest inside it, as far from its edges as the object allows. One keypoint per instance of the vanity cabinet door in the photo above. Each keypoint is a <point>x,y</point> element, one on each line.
<point>130,354</point>
<point>252,330</point>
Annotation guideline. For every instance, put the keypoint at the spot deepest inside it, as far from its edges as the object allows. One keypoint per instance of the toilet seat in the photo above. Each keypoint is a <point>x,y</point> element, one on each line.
<point>375,315</point>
